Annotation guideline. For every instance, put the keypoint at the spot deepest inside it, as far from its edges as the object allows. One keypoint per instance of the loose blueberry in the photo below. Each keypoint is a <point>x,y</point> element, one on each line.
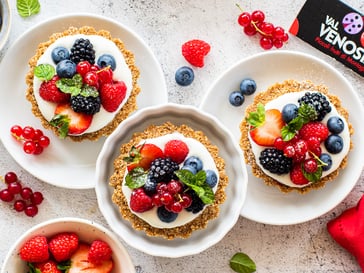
<point>248,86</point>
<point>211,178</point>
<point>184,76</point>
<point>189,168</point>
<point>60,53</point>
<point>106,60</point>
<point>194,162</point>
<point>166,216</point>
<point>334,144</point>
<point>326,158</point>
<point>236,98</point>
<point>289,112</point>
<point>66,69</point>
<point>335,125</point>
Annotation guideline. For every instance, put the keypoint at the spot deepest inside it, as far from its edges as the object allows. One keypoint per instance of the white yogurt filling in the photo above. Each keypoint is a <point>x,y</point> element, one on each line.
<point>195,149</point>
<point>101,46</point>
<point>278,103</point>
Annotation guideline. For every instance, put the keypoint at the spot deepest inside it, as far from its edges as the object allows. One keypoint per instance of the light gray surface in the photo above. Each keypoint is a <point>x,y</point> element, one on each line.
<point>164,26</point>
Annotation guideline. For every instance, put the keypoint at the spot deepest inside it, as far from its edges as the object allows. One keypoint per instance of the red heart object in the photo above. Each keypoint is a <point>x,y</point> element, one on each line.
<point>348,231</point>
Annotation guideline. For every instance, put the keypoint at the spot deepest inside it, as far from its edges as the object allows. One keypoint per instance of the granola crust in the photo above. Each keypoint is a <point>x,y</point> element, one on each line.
<point>129,107</point>
<point>271,93</point>
<point>210,212</point>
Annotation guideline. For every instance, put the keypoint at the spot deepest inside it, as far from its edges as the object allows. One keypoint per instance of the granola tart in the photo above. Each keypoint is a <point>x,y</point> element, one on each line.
<point>185,222</point>
<point>293,173</point>
<point>94,113</point>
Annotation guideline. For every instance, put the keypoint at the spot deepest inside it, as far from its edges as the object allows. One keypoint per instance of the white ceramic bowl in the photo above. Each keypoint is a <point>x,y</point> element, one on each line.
<point>5,24</point>
<point>87,232</point>
<point>235,169</point>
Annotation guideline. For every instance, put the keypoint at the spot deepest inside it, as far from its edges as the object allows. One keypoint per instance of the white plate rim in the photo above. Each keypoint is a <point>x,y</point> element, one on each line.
<point>247,212</point>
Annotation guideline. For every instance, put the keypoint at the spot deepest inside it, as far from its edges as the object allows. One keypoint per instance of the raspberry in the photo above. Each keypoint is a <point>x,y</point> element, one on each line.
<point>140,201</point>
<point>50,92</point>
<point>297,176</point>
<point>35,250</point>
<point>177,150</point>
<point>63,245</point>
<point>194,52</point>
<point>314,129</point>
<point>99,251</point>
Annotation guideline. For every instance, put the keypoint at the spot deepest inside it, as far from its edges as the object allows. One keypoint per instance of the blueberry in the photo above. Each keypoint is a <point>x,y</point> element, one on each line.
<point>289,112</point>
<point>326,158</point>
<point>184,76</point>
<point>66,69</point>
<point>194,162</point>
<point>334,144</point>
<point>166,216</point>
<point>236,98</point>
<point>60,53</point>
<point>189,168</point>
<point>106,60</point>
<point>248,86</point>
<point>335,125</point>
<point>211,178</point>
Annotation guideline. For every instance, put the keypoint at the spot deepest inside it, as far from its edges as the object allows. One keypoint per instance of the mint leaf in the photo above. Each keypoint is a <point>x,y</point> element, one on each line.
<point>27,8</point>
<point>242,263</point>
<point>197,182</point>
<point>313,177</point>
<point>70,85</point>
<point>61,122</point>
<point>89,91</point>
<point>136,178</point>
<point>44,72</point>
<point>257,118</point>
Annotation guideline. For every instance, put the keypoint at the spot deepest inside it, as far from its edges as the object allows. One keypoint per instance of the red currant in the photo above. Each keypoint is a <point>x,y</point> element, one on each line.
<point>258,16</point>
<point>29,147</point>
<point>250,30</point>
<point>10,177</point>
<point>19,205</point>
<point>83,67</point>
<point>186,200</point>
<point>166,198</point>
<point>28,132</point>
<point>267,28</point>
<point>37,134</point>
<point>31,210</point>
<point>16,131</point>
<point>36,198</point>
<point>266,43</point>
<point>26,193</point>
<point>278,33</point>
<point>244,19</point>
<point>310,165</point>
<point>175,207</point>
<point>44,141</point>
<point>91,79</point>
<point>14,187</point>
<point>174,187</point>
<point>289,151</point>
<point>277,43</point>
<point>6,195</point>
<point>156,199</point>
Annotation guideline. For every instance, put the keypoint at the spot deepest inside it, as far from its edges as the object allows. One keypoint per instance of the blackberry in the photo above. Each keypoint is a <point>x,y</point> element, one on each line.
<point>275,161</point>
<point>82,50</point>
<point>162,169</point>
<point>197,204</point>
<point>87,105</point>
<point>317,101</point>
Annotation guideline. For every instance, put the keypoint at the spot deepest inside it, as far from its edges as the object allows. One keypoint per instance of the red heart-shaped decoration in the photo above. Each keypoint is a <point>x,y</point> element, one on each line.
<point>348,231</point>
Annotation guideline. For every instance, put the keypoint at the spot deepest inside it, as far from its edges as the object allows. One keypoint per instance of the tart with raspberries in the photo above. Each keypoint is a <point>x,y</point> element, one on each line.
<point>169,181</point>
<point>82,83</point>
<point>296,136</point>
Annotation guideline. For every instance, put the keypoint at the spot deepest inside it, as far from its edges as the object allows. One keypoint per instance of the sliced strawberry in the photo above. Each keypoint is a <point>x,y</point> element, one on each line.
<point>69,122</point>
<point>143,155</point>
<point>47,267</point>
<point>269,129</point>
<point>80,263</point>
<point>112,94</point>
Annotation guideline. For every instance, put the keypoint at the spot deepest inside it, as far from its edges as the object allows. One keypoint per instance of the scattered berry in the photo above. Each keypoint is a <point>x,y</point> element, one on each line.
<point>184,76</point>
<point>236,98</point>
<point>248,86</point>
<point>195,51</point>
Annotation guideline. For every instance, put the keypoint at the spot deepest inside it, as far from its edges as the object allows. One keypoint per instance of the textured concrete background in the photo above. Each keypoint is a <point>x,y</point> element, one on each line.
<point>165,25</point>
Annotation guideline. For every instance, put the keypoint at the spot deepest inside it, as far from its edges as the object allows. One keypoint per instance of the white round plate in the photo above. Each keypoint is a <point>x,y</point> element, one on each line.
<point>66,163</point>
<point>266,204</point>
<point>235,191</point>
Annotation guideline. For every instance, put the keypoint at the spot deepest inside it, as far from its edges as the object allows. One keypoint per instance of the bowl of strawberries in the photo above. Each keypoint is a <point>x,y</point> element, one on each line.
<point>68,245</point>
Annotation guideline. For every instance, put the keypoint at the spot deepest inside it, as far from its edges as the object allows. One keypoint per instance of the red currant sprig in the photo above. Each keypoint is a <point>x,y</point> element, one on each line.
<point>270,35</point>
<point>24,198</point>
<point>34,141</point>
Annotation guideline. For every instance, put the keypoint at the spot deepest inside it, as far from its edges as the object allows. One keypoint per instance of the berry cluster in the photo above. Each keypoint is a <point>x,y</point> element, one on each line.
<point>155,179</point>
<point>247,87</point>
<point>64,252</point>
<point>34,141</point>
<point>24,198</point>
<point>270,35</point>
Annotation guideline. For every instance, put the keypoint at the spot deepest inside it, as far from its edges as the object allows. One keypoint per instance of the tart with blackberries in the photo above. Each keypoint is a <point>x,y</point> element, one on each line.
<point>169,181</point>
<point>82,83</point>
<point>296,136</point>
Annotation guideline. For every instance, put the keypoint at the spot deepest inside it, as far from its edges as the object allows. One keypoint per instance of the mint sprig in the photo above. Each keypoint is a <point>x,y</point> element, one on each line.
<point>197,182</point>
<point>44,72</point>
<point>257,118</point>
<point>70,85</point>
<point>136,178</point>
<point>61,122</point>
<point>306,113</point>
<point>27,8</point>
<point>242,263</point>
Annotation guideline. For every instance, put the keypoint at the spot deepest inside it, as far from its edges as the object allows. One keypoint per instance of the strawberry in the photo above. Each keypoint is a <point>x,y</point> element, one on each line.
<point>112,94</point>
<point>297,176</point>
<point>194,52</point>
<point>265,125</point>
<point>63,245</point>
<point>35,250</point>
<point>46,267</point>
<point>140,201</point>
<point>80,262</point>
<point>69,122</point>
<point>177,150</point>
<point>100,251</point>
<point>50,92</point>
<point>314,129</point>
<point>143,155</point>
